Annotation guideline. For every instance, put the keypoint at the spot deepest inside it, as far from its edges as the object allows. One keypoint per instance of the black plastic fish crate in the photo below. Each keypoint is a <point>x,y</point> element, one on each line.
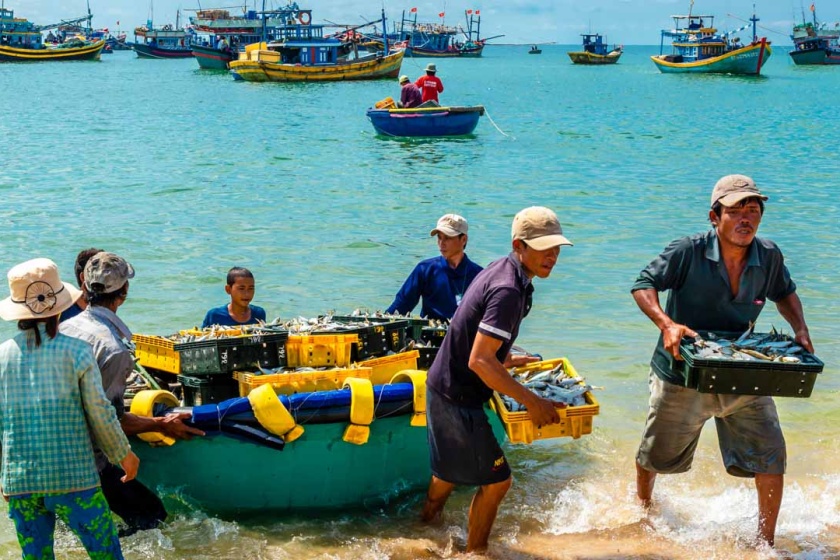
<point>221,356</point>
<point>741,377</point>
<point>208,390</point>
<point>413,327</point>
<point>427,356</point>
<point>433,336</point>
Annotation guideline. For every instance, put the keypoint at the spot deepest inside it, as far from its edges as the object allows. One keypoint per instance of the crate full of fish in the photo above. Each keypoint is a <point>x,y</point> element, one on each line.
<point>299,380</point>
<point>769,364</point>
<point>156,352</point>
<point>557,381</point>
<point>375,338</point>
<point>413,330</point>
<point>211,353</point>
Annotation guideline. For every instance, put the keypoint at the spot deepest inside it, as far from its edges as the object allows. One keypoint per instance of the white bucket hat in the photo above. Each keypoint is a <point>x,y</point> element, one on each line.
<point>36,292</point>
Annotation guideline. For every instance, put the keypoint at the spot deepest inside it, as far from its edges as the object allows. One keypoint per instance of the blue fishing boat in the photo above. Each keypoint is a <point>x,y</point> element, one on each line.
<point>815,43</point>
<point>697,47</point>
<point>163,42</point>
<point>425,121</point>
<point>595,51</point>
<point>438,40</point>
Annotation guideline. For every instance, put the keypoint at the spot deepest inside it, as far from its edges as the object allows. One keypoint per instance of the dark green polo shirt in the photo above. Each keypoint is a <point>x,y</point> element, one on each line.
<point>700,298</point>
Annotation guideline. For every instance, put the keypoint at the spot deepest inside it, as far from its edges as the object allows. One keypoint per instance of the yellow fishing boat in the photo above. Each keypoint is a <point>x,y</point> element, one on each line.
<point>289,62</point>
<point>21,41</point>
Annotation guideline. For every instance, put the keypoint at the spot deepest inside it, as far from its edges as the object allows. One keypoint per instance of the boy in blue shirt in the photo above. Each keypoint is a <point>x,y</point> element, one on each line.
<point>240,287</point>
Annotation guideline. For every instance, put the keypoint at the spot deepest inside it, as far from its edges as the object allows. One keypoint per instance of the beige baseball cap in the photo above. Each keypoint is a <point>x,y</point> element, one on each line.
<point>539,227</point>
<point>450,225</point>
<point>404,79</point>
<point>732,189</point>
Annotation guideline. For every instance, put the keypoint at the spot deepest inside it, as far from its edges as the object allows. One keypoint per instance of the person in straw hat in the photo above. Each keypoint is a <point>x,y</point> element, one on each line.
<point>53,406</point>
<point>410,95</point>
<point>430,85</point>
<point>473,361</point>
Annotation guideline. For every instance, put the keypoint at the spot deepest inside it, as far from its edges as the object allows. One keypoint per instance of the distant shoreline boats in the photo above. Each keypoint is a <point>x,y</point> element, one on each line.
<point>815,43</point>
<point>595,51</point>
<point>698,48</point>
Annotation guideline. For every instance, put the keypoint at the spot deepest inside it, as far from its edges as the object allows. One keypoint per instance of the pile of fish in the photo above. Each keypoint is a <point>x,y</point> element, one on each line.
<point>219,331</point>
<point>750,346</point>
<point>555,385</point>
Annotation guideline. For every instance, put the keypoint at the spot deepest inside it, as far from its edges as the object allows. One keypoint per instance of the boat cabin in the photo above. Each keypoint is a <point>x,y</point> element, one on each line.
<point>166,37</point>
<point>694,38</point>
<point>594,44</point>
<point>18,32</point>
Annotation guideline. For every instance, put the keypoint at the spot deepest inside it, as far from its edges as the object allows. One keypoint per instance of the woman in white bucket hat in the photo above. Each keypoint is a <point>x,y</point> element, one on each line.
<point>52,404</point>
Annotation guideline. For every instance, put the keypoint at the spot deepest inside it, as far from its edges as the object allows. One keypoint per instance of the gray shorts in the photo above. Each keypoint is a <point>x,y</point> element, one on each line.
<point>749,434</point>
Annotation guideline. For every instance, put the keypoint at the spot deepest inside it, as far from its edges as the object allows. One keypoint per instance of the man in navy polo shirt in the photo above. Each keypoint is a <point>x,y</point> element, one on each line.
<point>473,362</point>
<point>441,281</point>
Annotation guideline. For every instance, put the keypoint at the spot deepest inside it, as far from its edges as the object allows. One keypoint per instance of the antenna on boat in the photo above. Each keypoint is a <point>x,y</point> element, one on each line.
<point>690,8</point>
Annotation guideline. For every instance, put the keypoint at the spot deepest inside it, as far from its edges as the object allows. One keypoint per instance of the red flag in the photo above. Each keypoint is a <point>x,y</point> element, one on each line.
<point>469,12</point>
<point>413,10</point>
<point>812,7</point>
<point>477,12</point>
<point>441,14</point>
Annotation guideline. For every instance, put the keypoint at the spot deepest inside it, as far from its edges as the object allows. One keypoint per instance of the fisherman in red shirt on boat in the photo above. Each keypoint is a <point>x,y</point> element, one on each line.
<point>430,85</point>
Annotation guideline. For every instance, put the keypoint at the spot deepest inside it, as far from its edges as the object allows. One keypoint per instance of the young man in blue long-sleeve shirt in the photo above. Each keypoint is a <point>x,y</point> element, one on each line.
<point>440,281</point>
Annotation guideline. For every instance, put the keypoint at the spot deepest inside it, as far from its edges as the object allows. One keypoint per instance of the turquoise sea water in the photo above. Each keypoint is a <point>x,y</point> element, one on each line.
<point>187,173</point>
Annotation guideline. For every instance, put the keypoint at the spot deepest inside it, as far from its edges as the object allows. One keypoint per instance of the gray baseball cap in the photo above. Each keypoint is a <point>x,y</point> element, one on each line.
<point>106,272</point>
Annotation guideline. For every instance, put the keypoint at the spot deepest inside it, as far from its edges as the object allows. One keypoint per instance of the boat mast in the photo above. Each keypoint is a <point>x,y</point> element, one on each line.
<point>263,23</point>
<point>754,20</point>
<point>384,32</point>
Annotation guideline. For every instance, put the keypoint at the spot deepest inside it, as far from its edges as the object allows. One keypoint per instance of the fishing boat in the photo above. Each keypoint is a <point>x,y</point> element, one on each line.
<point>167,41</point>
<point>301,53</point>
<point>213,25</point>
<point>21,41</point>
<point>815,43</point>
<point>425,121</point>
<point>437,40</point>
<point>535,50</point>
<point>699,48</point>
<point>595,51</point>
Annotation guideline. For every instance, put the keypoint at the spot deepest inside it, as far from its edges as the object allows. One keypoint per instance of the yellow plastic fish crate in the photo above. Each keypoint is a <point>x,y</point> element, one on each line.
<point>384,368</point>
<point>156,352</point>
<point>320,350</point>
<point>575,421</point>
<point>300,382</point>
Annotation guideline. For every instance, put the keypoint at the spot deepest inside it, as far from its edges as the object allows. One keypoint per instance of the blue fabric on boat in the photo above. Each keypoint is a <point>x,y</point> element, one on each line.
<point>214,413</point>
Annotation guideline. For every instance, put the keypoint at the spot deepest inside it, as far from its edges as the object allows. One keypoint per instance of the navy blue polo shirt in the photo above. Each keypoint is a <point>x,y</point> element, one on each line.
<point>494,305</point>
<point>700,296</point>
<point>221,316</point>
<point>440,286</point>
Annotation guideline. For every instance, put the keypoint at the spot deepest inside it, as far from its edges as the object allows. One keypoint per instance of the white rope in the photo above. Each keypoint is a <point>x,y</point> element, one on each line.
<point>486,112</point>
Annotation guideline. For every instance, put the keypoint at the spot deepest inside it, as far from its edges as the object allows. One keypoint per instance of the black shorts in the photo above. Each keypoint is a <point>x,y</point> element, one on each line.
<point>462,445</point>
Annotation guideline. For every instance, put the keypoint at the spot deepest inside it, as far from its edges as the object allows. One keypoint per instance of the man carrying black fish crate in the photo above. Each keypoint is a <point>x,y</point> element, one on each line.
<point>718,281</point>
<point>472,363</point>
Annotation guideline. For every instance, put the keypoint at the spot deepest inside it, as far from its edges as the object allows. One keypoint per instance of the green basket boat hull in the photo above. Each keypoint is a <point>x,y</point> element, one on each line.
<point>318,471</point>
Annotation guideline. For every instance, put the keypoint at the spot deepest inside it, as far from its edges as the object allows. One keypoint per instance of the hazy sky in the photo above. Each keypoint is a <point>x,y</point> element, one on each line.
<point>521,21</point>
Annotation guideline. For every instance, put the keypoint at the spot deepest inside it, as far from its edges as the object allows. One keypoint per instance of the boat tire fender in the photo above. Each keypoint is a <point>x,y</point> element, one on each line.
<point>418,381</point>
<point>272,415</point>
<point>143,404</point>
<point>361,410</point>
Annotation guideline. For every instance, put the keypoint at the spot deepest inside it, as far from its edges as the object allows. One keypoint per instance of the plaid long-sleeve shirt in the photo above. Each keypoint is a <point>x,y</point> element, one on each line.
<point>51,403</point>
